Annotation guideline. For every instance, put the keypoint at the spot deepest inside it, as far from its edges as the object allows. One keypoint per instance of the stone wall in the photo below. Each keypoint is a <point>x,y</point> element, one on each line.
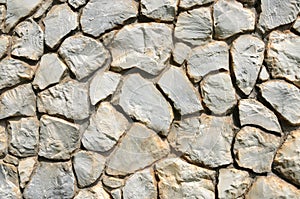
<point>189,99</point>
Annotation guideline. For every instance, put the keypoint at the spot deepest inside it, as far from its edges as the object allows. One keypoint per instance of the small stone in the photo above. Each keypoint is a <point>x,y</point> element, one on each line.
<point>58,138</point>
<point>59,22</point>
<point>4,43</point>
<point>43,8</point>
<point>23,136</point>
<point>284,98</point>
<point>107,38</point>
<point>19,101</point>
<point>211,57</point>
<point>2,17</point>
<point>25,169</point>
<point>181,52</point>
<point>264,74</point>
<point>252,112</point>
<point>248,2</point>
<point>10,159</point>
<point>194,27</point>
<point>146,46</point>
<point>218,93</point>
<point>255,149</point>
<point>50,71</point>
<point>102,134</point>
<point>116,194</point>
<point>141,147</point>
<point>83,55</point>
<point>3,139</point>
<point>95,192</point>
<point>161,10</point>
<point>51,180</point>
<point>9,182</point>
<point>112,182</point>
<point>296,25</point>
<point>77,3</point>
<point>186,4</point>
<point>230,18</point>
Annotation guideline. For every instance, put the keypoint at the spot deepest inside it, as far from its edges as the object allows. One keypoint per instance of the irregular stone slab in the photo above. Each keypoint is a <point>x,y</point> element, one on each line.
<point>9,182</point>
<point>25,169</point>
<point>296,25</point>
<point>283,59</point>
<point>102,134</point>
<point>284,98</point>
<point>230,18</point>
<point>99,16</point>
<point>233,183</point>
<point>28,40</point>
<point>59,22</point>
<point>247,57</point>
<point>23,136</point>
<point>287,159</point>
<point>10,159</point>
<point>2,17</point>
<point>77,3</point>
<point>252,112</point>
<point>140,99</point>
<point>19,101</point>
<point>94,192</point>
<point>194,27</point>
<point>179,179</point>
<point>69,99</point>
<point>42,9</point>
<point>140,185</point>
<point>207,58</point>
<point>190,3</point>
<point>141,147</point>
<point>112,182</point>
<point>180,90</point>
<point>103,85</point>
<point>255,149</point>
<point>83,55</point>
<point>161,10</point>
<point>3,139</point>
<point>4,44</point>
<point>116,194</point>
<point>50,71</point>
<point>58,138</point>
<point>218,93</point>
<point>59,183</point>
<point>181,52</point>
<point>146,46</point>
<point>264,74</point>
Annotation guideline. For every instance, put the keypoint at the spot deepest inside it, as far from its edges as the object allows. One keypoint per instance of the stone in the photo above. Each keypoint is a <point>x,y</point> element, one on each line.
<point>112,182</point>
<point>161,10</point>
<point>77,3</point>
<point>296,25</point>
<point>100,16</point>
<point>83,55</point>
<point>19,101</point>
<point>175,84</point>
<point>116,194</point>
<point>140,185</point>
<point>58,138</point>
<point>194,27</point>
<point>287,159</point>
<point>282,58</point>
<point>3,139</point>
<point>146,46</point>
<point>42,9</point>
<point>9,182</point>
<point>264,74</point>
<point>255,149</point>
<point>218,93</point>
<point>88,167</point>
<point>230,18</point>
<point>108,37</point>
<point>233,183</point>
<point>69,99</point>
<point>51,180</point>
<point>59,22</point>
<point>252,112</point>
<point>4,43</point>
<point>202,60</point>
<point>95,192</point>
<point>141,147</point>
<point>102,134</point>
<point>103,85</point>
<point>51,70</point>
<point>181,52</point>
<point>141,100</point>
<point>186,4</point>
<point>2,17</point>
<point>28,40</point>
<point>23,136</point>
<point>10,159</point>
<point>284,98</point>
<point>179,179</point>
<point>247,54</point>
<point>25,169</point>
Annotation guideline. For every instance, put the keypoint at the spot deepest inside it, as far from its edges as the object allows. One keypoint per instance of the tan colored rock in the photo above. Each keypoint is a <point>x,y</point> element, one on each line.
<point>296,25</point>
<point>10,159</point>
<point>43,8</point>
<point>95,192</point>
<point>25,169</point>
<point>3,139</point>
<point>112,182</point>
<point>4,43</point>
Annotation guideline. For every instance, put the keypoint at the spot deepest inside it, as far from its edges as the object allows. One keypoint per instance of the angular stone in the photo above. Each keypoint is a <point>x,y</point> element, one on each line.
<point>296,25</point>
<point>255,149</point>
<point>77,3</point>
<point>141,147</point>
<point>51,180</point>
<point>112,182</point>
<point>2,17</point>
<point>194,27</point>
<point>218,93</point>
<point>204,59</point>
<point>264,74</point>
<point>25,169</point>
<point>43,8</point>
<point>83,55</point>
<point>102,134</point>
<point>28,40</point>
<point>180,52</point>
<point>95,192</point>
<point>190,3</point>
<point>4,44</point>
<point>99,16</point>
<point>230,18</point>
<point>146,46</point>
<point>140,99</point>
<point>3,139</point>
<point>10,159</point>
<point>9,182</point>
<point>116,194</point>
<point>59,22</point>
<point>58,138</point>
<point>161,10</point>
<point>252,112</point>
<point>284,98</point>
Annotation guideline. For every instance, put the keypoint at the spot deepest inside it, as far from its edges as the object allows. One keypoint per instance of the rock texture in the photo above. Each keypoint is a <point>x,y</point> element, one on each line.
<point>161,10</point>
<point>9,182</point>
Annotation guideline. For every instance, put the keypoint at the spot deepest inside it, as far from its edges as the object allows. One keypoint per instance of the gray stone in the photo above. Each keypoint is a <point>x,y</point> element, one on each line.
<point>230,18</point>
<point>58,138</point>
<point>3,139</point>
<point>95,192</point>
<point>112,182</point>
<point>248,2</point>
<point>181,52</point>
<point>25,169</point>
<point>208,58</point>
<point>190,3</point>
<point>264,74</point>
<point>116,194</point>
<point>83,55</point>
<point>163,10</point>
<point>107,38</point>
<point>2,17</point>
<point>146,46</point>
<point>4,44</point>
<point>99,16</point>
<point>43,8</point>
<point>10,159</point>
<point>9,182</point>
<point>296,25</point>
<point>77,3</point>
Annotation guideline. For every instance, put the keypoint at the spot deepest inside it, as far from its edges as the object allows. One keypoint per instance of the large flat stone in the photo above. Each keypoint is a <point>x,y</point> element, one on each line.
<point>9,182</point>
<point>165,10</point>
